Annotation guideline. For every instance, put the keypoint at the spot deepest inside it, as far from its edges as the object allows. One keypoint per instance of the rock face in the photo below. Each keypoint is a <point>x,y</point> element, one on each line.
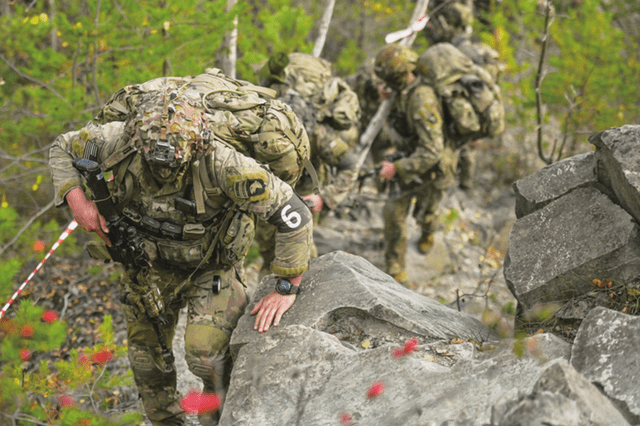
<point>342,355</point>
<point>341,290</point>
<point>357,348</point>
<point>575,243</point>
<point>601,353</point>
<point>555,252</point>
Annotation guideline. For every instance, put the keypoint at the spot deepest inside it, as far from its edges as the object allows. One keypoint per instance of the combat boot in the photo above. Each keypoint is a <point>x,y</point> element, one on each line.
<point>425,243</point>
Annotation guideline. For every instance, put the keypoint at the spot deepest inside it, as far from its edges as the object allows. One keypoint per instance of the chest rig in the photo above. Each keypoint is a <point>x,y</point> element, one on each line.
<point>181,222</point>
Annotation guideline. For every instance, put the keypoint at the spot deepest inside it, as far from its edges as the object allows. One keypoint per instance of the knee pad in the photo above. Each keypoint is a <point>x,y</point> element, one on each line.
<point>215,370</point>
<point>141,361</point>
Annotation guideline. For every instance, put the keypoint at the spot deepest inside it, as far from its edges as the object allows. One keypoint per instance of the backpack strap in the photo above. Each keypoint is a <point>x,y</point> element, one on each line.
<point>198,189</point>
<point>119,156</point>
<point>263,91</point>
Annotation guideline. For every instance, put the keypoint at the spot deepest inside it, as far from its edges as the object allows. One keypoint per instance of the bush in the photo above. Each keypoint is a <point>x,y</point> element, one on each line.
<point>62,392</point>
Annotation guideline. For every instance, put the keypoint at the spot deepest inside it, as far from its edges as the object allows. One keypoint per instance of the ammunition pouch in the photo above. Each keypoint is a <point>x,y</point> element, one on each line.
<point>98,250</point>
<point>236,241</point>
<point>183,254</point>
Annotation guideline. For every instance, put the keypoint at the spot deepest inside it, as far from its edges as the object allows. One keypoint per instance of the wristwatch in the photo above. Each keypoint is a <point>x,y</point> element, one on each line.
<point>284,287</point>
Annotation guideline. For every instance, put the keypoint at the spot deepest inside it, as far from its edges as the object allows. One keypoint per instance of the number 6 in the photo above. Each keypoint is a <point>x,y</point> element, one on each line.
<point>292,220</point>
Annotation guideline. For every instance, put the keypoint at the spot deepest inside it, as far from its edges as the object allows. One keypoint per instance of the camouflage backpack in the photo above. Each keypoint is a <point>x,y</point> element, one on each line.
<point>471,98</point>
<point>233,112</point>
<point>335,102</point>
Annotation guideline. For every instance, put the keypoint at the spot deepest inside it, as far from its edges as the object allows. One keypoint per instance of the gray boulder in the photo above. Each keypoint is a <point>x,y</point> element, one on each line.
<point>553,181</point>
<point>341,338</point>
<point>618,153</point>
<point>340,290</point>
<point>555,252</point>
<point>606,351</point>
<point>561,396</point>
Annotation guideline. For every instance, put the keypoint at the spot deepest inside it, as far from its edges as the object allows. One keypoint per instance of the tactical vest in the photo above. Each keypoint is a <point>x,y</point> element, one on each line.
<point>175,234</point>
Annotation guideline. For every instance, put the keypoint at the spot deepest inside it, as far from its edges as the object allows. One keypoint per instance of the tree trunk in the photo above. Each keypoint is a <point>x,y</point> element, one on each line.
<point>324,28</point>
<point>54,29</point>
<point>229,54</point>
<point>4,8</point>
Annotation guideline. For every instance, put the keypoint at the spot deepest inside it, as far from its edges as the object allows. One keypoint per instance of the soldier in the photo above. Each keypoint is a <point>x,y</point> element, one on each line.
<point>450,19</point>
<point>152,156</point>
<point>365,84</point>
<point>429,167</point>
<point>453,24</point>
<point>331,114</point>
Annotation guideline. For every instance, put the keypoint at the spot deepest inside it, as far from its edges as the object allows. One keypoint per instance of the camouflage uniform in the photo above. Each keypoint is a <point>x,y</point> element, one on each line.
<point>365,83</point>
<point>450,20</point>
<point>308,85</point>
<point>185,269</point>
<point>429,167</point>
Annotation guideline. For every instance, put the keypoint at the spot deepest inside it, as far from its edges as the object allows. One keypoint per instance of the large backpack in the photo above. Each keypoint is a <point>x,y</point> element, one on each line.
<point>335,102</point>
<point>237,113</point>
<point>471,98</point>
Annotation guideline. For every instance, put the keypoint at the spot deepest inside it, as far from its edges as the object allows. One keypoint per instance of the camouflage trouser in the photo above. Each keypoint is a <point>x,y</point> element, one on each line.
<point>211,319</point>
<point>466,166</point>
<point>266,240</point>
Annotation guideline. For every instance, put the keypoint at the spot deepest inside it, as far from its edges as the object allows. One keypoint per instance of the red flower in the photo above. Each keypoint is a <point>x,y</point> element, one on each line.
<point>66,400</point>
<point>198,403</point>
<point>102,357</point>
<point>376,389</point>
<point>345,419</point>
<point>49,316</point>
<point>27,331</point>
<point>398,352</point>
<point>409,347</point>
<point>25,354</point>
<point>82,359</point>
<point>38,246</point>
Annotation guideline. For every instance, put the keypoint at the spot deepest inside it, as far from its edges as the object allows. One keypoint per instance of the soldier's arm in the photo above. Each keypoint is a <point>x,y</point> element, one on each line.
<point>333,148</point>
<point>255,189</point>
<point>72,145</point>
<point>425,118</point>
<point>342,183</point>
<point>67,180</point>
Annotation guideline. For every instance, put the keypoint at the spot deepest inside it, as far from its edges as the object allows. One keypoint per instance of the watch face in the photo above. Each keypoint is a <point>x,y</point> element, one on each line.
<point>283,286</point>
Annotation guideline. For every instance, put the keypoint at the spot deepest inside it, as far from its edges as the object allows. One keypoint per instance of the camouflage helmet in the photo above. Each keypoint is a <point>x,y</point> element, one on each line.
<point>454,18</point>
<point>168,129</point>
<point>393,63</point>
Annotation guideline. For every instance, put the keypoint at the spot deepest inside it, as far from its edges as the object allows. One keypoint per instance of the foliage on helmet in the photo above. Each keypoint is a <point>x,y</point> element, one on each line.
<point>394,62</point>
<point>168,118</point>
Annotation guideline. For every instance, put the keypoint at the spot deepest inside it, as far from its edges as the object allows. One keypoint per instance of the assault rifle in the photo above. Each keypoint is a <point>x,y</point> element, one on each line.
<point>374,172</point>
<point>127,248</point>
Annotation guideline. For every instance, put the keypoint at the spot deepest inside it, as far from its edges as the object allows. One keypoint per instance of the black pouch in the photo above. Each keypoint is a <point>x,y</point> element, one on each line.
<point>210,280</point>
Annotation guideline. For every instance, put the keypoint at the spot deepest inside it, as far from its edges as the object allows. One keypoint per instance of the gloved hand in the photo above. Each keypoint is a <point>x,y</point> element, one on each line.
<point>387,171</point>
<point>314,201</point>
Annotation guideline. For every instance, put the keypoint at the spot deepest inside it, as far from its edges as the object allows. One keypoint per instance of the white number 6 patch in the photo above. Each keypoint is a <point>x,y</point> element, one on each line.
<point>292,220</point>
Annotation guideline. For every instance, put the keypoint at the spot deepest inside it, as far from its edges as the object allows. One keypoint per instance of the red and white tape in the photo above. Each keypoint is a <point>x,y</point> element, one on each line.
<point>61,238</point>
<point>413,28</point>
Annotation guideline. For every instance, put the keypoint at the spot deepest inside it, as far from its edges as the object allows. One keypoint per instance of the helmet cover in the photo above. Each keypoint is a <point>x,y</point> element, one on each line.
<point>168,129</point>
<point>393,63</point>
